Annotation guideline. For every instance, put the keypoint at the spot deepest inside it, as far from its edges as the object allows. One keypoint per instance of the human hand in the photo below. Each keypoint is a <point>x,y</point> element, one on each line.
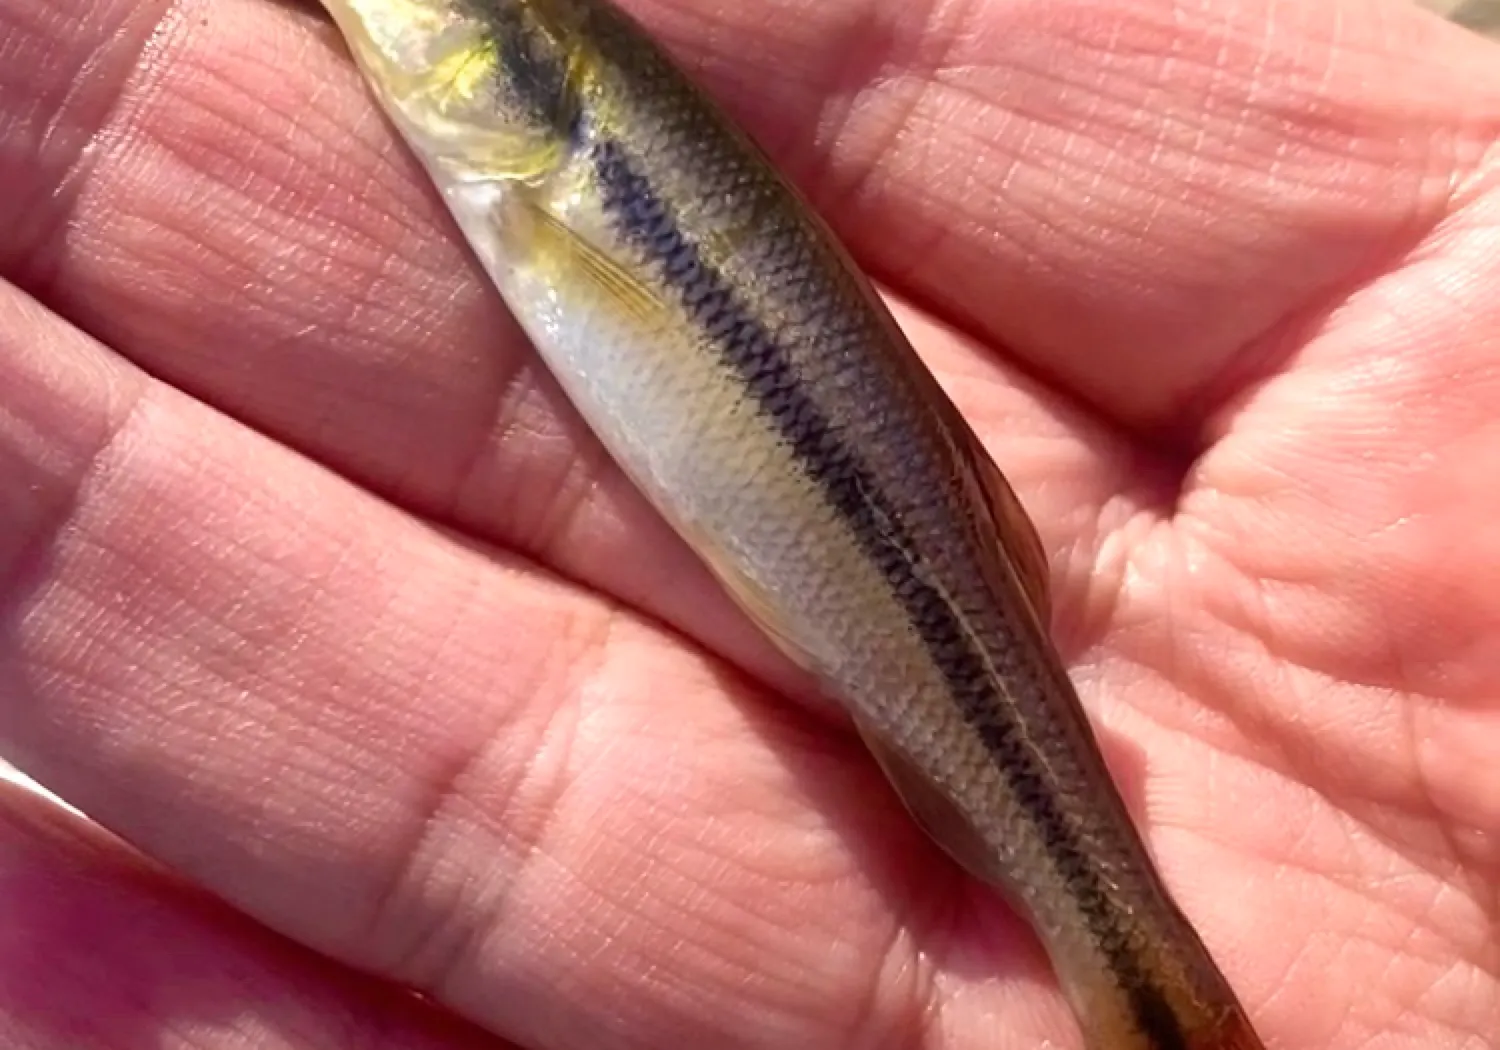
<point>1215,282</point>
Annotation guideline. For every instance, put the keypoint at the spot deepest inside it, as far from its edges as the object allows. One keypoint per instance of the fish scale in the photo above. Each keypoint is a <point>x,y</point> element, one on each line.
<point>747,378</point>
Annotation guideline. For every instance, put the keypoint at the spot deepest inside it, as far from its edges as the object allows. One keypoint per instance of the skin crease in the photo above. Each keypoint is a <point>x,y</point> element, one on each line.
<point>314,590</point>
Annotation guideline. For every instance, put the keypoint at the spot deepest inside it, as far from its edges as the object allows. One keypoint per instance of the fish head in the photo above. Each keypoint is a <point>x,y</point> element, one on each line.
<point>486,88</point>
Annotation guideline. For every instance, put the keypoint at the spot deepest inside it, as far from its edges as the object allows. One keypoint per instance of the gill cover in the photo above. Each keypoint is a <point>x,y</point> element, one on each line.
<point>489,89</point>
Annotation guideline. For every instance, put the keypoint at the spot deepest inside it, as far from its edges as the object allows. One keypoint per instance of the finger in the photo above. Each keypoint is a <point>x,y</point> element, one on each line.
<point>1176,295</point>
<point>99,950</point>
<point>1167,208</point>
<point>1131,198</point>
<point>444,769</point>
<point>282,261</point>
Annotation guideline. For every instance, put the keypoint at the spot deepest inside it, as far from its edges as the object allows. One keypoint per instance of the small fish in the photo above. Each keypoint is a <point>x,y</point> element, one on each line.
<point>751,383</point>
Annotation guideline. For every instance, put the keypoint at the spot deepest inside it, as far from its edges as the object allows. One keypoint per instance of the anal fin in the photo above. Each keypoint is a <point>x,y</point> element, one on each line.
<point>937,814</point>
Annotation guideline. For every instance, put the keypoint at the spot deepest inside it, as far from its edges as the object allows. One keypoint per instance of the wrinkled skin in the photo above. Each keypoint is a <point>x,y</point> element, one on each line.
<point>317,593</point>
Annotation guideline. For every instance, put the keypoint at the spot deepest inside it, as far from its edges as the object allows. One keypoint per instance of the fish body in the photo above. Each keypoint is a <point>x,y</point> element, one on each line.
<point>751,383</point>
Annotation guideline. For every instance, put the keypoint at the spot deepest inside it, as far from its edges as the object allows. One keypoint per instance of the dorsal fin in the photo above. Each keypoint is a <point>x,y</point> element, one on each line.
<point>1016,536</point>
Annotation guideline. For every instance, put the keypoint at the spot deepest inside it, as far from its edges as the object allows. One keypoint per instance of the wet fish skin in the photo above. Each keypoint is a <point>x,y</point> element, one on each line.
<point>746,376</point>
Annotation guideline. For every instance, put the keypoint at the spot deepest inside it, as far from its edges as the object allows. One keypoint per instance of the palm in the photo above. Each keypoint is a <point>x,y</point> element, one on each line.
<point>1217,296</point>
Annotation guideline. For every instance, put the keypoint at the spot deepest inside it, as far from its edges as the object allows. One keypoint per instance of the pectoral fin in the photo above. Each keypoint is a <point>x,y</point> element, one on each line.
<point>569,256</point>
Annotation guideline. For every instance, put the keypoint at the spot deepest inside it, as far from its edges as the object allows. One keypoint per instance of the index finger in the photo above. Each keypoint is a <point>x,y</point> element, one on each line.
<point>1122,195</point>
<point>1132,199</point>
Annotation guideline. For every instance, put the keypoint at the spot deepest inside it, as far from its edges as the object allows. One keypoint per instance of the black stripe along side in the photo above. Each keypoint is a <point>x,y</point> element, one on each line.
<point>746,346</point>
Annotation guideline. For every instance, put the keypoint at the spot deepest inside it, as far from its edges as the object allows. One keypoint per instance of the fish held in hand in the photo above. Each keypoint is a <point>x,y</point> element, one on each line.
<point>748,379</point>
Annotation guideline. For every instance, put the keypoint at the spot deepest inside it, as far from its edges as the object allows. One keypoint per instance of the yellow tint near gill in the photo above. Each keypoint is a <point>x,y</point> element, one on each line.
<point>464,98</point>
<point>455,81</point>
<point>460,101</point>
<point>385,36</point>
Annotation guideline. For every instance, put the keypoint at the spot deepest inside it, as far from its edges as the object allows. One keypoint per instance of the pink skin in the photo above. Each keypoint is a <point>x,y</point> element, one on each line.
<point>1216,281</point>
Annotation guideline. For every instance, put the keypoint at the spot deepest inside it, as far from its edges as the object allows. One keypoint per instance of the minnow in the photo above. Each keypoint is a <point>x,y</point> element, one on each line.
<point>746,376</point>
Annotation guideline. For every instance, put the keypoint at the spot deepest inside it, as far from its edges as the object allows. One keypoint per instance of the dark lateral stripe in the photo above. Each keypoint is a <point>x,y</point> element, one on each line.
<point>747,347</point>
